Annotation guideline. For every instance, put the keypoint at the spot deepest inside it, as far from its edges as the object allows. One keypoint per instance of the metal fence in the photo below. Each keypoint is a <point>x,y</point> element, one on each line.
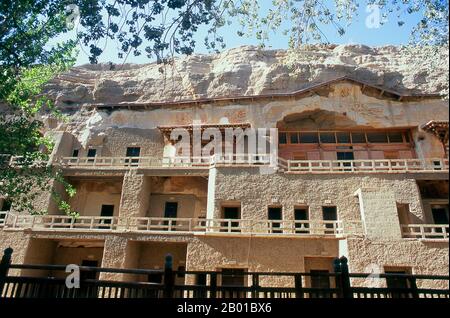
<point>213,284</point>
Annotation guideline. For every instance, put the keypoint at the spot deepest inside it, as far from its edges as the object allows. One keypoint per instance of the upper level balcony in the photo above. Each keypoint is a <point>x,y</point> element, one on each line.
<point>289,166</point>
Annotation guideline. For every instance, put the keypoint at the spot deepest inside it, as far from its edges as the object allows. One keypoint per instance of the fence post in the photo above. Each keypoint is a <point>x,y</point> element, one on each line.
<point>4,267</point>
<point>298,286</point>
<point>338,277</point>
<point>213,285</point>
<point>413,287</point>
<point>169,278</point>
<point>345,278</point>
<point>255,285</point>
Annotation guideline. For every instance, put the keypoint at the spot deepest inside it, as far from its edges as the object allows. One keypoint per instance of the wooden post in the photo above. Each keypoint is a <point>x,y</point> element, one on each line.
<point>213,285</point>
<point>4,268</point>
<point>345,278</point>
<point>255,285</point>
<point>298,286</point>
<point>338,277</point>
<point>413,287</point>
<point>169,279</point>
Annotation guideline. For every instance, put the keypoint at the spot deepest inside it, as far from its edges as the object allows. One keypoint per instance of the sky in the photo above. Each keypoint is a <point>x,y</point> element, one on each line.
<point>363,30</point>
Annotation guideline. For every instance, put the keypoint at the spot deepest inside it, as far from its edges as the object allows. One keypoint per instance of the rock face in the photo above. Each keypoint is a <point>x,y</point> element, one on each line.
<point>247,70</point>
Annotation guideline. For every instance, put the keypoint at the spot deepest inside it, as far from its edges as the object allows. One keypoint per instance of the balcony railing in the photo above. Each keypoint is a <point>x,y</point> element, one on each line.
<point>425,231</point>
<point>166,162</point>
<point>174,225</point>
<point>290,166</point>
<point>380,165</point>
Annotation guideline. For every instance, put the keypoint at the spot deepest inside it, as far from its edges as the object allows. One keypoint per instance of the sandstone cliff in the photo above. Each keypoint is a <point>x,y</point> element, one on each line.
<point>248,70</point>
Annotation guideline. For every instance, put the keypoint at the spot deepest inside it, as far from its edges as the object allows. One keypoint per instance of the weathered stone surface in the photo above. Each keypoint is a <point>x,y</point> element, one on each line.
<point>245,70</point>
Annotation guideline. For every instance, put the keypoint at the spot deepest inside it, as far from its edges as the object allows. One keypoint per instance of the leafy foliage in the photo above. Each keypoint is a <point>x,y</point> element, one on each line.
<point>26,65</point>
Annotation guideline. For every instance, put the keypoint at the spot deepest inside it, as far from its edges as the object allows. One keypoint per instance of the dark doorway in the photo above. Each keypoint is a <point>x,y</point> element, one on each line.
<point>87,289</point>
<point>440,214</point>
<point>88,274</point>
<point>329,214</point>
<point>107,211</point>
<point>155,278</point>
<point>170,211</point>
<point>6,206</point>
<point>231,213</point>
<point>301,214</point>
<point>399,284</point>
<point>321,281</point>
<point>346,155</point>
<point>133,152</point>
<point>91,154</point>
<point>200,281</point>
<point>233,277</point>
<point>275,214</point>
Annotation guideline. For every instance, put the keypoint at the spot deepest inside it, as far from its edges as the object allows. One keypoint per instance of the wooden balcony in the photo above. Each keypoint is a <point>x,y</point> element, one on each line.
<point>425,231</point>
<point>174,225</point>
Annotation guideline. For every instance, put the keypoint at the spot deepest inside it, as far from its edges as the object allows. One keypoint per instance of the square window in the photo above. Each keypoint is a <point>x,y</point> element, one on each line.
<point>133,151</point>
<point>358,138</point>
<point>75,152</point>
<point>301,214</point>
<point>343,137</point>
<point>329,213</point>
<point>309,138</point>
<point>377,137</point>
<point>327,138</point>
<point>395,137</point>
<point>293,138</point>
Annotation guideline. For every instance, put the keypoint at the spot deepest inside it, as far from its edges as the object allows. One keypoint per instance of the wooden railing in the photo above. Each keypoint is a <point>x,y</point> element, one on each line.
<point>380,166</point>
<point>425,231</point>
<point>174,225</point>
<point>339,284</point>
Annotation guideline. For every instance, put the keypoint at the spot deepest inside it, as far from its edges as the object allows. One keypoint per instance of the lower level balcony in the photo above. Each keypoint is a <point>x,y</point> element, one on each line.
<point>174,225</point>
<point>425,231</point>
